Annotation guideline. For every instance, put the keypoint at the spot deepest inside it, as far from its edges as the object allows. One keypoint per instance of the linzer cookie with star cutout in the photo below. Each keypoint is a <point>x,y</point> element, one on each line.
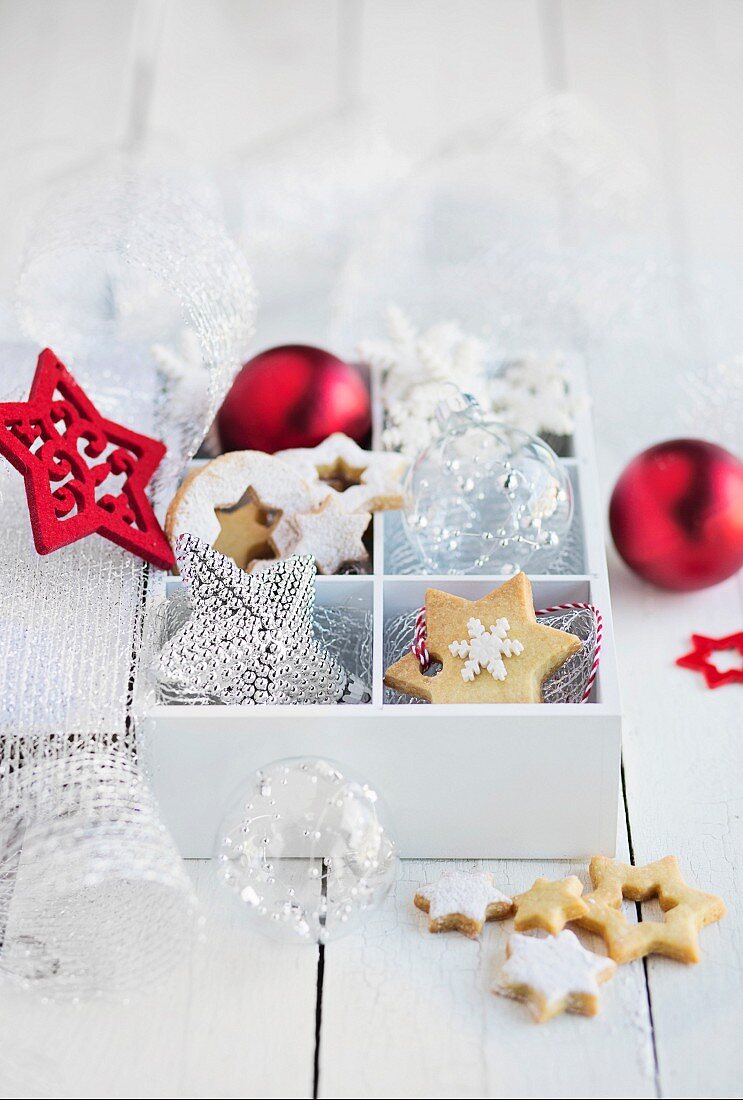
<point>491,650</point>
<point>73,459</point>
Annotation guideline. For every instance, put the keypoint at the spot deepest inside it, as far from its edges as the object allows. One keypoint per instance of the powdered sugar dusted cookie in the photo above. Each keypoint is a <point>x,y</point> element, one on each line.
<point>223,482</point>
<point>461,901</point>
<point>330,533</point>
<point>368,481</point>
<point>555,974</point>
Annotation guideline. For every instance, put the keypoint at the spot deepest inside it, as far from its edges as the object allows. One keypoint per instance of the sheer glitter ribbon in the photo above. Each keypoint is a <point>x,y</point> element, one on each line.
<point>93,896</point>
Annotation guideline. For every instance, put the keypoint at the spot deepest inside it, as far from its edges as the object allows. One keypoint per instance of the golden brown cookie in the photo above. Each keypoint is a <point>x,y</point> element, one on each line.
<point>461,901</point>
<point>245,534</point>
<point>553,975</point>
<point>686,910</point>
<point>549,905</point>
<point>365,481</point>
<point>492,650</point>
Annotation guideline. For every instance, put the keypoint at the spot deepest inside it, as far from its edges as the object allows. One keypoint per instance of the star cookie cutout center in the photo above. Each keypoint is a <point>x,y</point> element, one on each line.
<point>686,910</point>
<point>83,474</point>
<point>245,531</point>
<point>462,901</point>
<point>549,905</point>
<point>699,658</point>
<point>553,975</point>
<point>447,617</point>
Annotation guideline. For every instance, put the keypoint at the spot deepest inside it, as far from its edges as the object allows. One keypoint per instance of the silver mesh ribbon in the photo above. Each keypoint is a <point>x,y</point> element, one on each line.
<point>567,685</point>
<point>93,896</point>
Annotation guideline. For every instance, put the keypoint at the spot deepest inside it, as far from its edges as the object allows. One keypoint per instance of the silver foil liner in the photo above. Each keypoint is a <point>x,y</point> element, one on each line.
<point>344,632</point>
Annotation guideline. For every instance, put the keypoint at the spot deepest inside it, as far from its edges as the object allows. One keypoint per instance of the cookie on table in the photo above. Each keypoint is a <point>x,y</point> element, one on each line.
<point>492,650</point>
<point>686,910</point>
<point>462,901</point>
<point>553,974</point>
<point>549,905</point>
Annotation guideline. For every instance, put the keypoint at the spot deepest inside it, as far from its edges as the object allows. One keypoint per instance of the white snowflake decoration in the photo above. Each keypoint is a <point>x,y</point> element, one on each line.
<point>486,649</point>
<point>534,394</point>
<point>417,369</point>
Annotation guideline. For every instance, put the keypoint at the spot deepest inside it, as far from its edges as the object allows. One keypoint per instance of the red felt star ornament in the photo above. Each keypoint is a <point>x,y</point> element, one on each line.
<point>83,473</point>
<point>699,658</point>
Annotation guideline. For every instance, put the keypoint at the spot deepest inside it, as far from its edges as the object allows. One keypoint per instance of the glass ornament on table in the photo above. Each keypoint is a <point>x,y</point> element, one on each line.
<point>307,849</point>
<point>485,495</point>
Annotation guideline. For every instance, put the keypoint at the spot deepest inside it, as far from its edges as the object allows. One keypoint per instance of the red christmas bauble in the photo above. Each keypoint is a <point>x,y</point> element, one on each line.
<point>676,514</point>
<point>293,396</point>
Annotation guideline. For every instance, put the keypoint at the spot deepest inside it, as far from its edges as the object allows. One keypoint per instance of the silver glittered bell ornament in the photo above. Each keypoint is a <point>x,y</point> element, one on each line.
<point>486,497</point>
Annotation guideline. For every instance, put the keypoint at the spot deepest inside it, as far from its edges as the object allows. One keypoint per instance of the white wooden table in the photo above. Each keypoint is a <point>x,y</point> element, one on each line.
<point>397,1012</point>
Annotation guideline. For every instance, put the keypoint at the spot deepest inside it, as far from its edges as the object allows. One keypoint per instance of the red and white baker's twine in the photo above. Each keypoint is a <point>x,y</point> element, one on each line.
<point>419,645</point>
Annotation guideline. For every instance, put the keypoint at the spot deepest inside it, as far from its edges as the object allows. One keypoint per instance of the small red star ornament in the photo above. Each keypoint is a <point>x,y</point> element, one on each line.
<point>83,473</point>
<point>699,658</point>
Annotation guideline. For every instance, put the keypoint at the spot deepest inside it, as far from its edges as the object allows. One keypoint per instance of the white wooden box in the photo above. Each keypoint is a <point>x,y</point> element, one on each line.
<point>510,781</point>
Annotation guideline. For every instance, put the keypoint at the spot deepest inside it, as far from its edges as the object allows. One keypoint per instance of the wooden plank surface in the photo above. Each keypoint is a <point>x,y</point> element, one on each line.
<point>404,1013</point>
<point>407,1013</point>
<point>236,1018</point>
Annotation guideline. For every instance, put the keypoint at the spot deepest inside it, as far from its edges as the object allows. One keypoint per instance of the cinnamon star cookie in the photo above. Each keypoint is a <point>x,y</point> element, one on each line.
<point>553,975</point>
<point>461,901</point>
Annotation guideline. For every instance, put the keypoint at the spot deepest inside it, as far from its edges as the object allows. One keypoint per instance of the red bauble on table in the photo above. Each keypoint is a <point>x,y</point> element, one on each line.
<point>293,396</point>
<point>676,514</point>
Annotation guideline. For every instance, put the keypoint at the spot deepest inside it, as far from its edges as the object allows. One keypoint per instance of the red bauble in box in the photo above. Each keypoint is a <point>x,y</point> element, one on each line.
<point>676,514</point>
<point>293,396</point>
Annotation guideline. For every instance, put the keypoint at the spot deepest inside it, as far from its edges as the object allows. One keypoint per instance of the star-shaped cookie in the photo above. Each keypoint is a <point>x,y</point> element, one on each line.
<point>449,622</point>
<point>245,531</point>
<point>367,481</point>
<point>553,975</point>
<point>700,659</point>
<point>331,534</point>
<point>686,910</point>
<point>549,905</point>
<point>461,901</point>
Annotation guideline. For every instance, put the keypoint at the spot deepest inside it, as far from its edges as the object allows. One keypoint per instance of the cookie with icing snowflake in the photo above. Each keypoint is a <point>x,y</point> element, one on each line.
<point>461,901</point>
<point>331,534</point>
<point>553,975</point>
<point>364,481</point>
<point>491,650</point>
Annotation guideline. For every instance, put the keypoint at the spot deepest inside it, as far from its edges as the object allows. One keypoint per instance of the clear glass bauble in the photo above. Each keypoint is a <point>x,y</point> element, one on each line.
<point>307,849</point>
<point>485,497</point>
